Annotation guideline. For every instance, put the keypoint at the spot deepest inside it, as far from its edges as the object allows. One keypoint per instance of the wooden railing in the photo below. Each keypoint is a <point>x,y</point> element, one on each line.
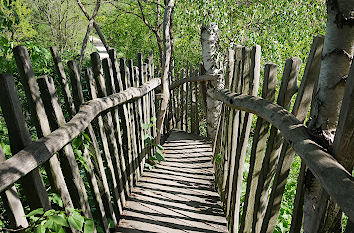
<point>107,116</point>
<point>276,137</point>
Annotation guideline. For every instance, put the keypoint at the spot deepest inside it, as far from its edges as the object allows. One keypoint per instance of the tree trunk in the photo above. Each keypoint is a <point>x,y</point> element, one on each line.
<point>165,92</point>
<point>336,60</point>
<point>209,40</point>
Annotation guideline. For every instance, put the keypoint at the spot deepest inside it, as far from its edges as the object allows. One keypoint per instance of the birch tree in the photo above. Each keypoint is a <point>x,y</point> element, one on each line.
<point>337,57</point>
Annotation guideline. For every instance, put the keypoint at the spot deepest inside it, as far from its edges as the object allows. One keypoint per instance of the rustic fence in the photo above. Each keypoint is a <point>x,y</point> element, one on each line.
<point>107,115</point>
<point>276,137</point>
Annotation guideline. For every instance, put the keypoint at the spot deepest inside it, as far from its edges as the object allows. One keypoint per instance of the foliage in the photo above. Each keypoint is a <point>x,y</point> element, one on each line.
<point>159,154</point>
<point>57,221</point>
<point>15,20</point>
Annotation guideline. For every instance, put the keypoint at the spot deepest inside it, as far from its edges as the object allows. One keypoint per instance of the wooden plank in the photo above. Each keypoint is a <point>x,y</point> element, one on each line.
<point>236,86</point>
<point>228,79</point>
<point>40,151</point>
<point>69,104</point>
<point>197,118</point>
<point>56,119</point>
<point>106,123</point>
<point>102,198</point>
<point>106,198</point>
<point>182,90</point>
<point>127,140</point>
<point>250,81</point>
<point>38,116</point>
<point>111,89</point>
<point>134,121</point>
<point>142,70</point>
<point>192,103</point>
<point>170,202</point>
<point>333,177</point>
<point>234,65</point>
<point>258,149</point>
<point>300,110</point>
<point>123,115</point>
<point>68,163</point>
<point>19,136</point>
<point>187,99</point>
<point>297,215</point>
<point>11,202</point>
<point>131,108</point>
<point>287,89</point>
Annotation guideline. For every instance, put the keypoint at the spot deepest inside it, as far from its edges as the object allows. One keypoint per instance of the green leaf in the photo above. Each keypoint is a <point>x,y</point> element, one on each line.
<point>146,126</point>
<point>159,147</point>
<point>153,119</point>
<point>76,221</point>
<point>50,212</point>
<point>60,220</point>
<point>86,136</point>
<point>35,212</point>
<point>40,229</point>
<point>160,156</point>
<point>55,198</point>
<point>89,226</point>
<point>218,158</point>
<point>110,223</point>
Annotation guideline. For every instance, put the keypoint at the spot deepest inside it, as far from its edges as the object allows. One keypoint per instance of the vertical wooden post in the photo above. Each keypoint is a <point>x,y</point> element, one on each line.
<point>125,118</point>
<point>62,79</point>
<point>107,124</point>
<point>91,86</point>
<point>287,90</point>
<point>12,203</point>
<point>129,83</point>
<point>258,149</point>
<point>111,89</point>
<point>123,115</point>
<point>33,186</point>
<point>39,116</point>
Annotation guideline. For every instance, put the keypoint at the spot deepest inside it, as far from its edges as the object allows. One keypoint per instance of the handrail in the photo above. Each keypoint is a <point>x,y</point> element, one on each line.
<point>206,77</point>
<point>334,178</point>
<point>40,151</point>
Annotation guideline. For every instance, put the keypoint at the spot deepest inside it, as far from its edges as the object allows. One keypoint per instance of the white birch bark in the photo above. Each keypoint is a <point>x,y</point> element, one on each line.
<point>209,40</point>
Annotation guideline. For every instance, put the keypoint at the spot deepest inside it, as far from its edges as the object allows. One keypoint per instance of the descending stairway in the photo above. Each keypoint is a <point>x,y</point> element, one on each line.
<point>178,195</point>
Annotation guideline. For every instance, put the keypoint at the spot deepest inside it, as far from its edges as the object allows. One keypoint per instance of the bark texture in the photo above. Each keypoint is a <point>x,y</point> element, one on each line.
<point>209,40</point>
<point>165,92</point>
<point>320,214</point>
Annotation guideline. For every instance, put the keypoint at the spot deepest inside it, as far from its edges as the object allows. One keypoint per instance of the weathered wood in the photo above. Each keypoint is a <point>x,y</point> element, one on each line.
<point>192,103</point>
<point>300,110</point>
<point>182,119</point>
<point>333,177</point>
<point>287,90</point>
<point>236,86</point>
<point>258,149</point>
<point>40,151</point>
<point>39,117</point>
<point>134,122</point>
<point>177,196</point>
<point>250,81</point>
<point>193,78</point>
<point>196,105</point>
<point>19,136</point>
<point>111,89</point>
<point>66,155</point>
<point>106,124</point>
<point>91,87</point>
<point>123,115</point>
<point>131,108</point>
<point>62,79</point>
<point>12,203</point>
<point>127,140</point>
<point>234,64</point>
<point>297,215</point>
<point>142,69</point>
